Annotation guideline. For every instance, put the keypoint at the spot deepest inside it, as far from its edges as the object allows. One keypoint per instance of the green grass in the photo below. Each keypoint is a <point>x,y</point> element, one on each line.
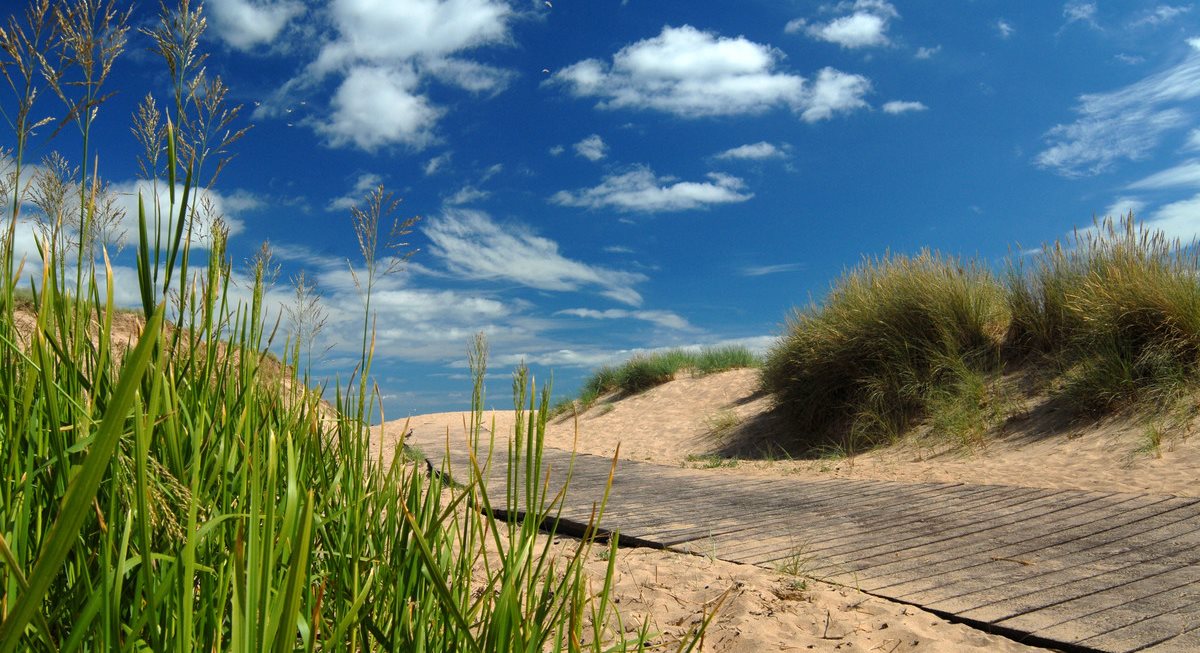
<point>181,498</point>
<point>1110,321</point>
<point>1118,310</point>
<point>645,371</point>
<point>892,334</point>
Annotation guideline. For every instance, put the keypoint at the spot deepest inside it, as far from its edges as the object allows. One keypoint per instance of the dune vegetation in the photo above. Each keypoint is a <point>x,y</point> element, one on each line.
<point>157,496</point>
<point>1106,322</point>
<point>644,371</point>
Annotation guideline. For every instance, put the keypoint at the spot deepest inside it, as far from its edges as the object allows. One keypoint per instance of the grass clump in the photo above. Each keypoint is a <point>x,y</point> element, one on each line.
<point>179,498</point>
<point>645,371</point>
<point>892,334</point>
<point>1118,312</point>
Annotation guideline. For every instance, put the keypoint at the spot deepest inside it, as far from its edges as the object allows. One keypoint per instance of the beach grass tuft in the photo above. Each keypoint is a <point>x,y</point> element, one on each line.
<point>183,493</point>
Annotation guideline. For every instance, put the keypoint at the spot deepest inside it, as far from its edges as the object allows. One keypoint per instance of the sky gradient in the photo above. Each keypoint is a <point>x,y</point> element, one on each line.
<point>597,178</point>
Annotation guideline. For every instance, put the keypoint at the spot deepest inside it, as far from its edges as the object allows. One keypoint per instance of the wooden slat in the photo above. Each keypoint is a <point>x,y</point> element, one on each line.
<point>1110,572</point>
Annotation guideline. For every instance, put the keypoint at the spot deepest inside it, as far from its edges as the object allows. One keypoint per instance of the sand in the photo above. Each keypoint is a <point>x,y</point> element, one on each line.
<point>689,423</point>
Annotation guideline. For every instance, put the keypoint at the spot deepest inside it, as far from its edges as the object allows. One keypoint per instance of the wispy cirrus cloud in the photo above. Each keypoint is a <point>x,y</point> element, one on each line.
<point>473,246</point>
<point>763,270</point>
<point>665,319</point>
<point>1184,174</point>
<point>693,73</point>
<point>1126,123</point>
<point>640,190</point>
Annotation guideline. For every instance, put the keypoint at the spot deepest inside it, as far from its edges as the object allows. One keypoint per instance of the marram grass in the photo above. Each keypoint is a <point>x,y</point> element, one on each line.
<point>173,497</point>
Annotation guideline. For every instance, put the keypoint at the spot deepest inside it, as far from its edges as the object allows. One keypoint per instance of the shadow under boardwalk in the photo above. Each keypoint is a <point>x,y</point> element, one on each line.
<point>1066,568</point>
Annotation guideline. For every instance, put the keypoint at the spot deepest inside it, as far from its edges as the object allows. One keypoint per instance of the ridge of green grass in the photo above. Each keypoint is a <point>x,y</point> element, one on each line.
<point>1111,319</point>
<point>645,371</point>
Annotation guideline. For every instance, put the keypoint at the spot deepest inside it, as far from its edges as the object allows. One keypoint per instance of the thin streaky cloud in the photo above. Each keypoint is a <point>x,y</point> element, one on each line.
<point>763,270</point>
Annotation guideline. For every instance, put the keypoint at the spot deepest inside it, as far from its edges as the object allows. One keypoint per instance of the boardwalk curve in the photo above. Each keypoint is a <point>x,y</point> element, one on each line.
<point>1090,571</point>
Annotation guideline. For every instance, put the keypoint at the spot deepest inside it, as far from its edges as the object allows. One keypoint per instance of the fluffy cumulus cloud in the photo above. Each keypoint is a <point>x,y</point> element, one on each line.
<point>592,148</point>
<point>473,246</point>
<point>903,106</point>
<point>753,151</point>
<point>865,26</point>
<point>404,30</point>
<point>379,106</point>
<point>643,191</point>
<point>380,58</point>
<point>1126,123</point>
<point>244,24</point>
<point>835,92</point>
<point>665,319</point>
<point>692,73</point>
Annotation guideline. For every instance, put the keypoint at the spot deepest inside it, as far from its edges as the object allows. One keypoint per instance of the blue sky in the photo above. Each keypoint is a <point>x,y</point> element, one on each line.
<point>596,178</point>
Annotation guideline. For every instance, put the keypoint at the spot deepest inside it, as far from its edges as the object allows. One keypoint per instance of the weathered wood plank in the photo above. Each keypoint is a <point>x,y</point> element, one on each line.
<point>1115,572</point>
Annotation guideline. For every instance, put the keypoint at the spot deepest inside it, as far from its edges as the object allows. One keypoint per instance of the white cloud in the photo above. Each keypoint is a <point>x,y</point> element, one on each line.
<point>364,184</point>
<point>1178,219</point>
<point>467,195</point>
<point>593,358</point>
<point>1129,59</point>
<point>244,24</point>
<point>1124,124</point>
<point>763,270</point>
<point>1124,206</point>
<point>227,207</point>
<point>1005,28</point>
<point>641,190</point>
<point>903,106</point>
<point>435,165</point>
<point>692,73</point>
<point>592,148</point>
<point>756,151</point>
<point>1184,174</point>
<point>1160,15</point>
<point>381,55</point>
<point>664,319</point>
<point>1193,140</point>
<point>835,92</point>
<point>865,27</point>
<point>1079,11</point>
<point>927,53</point>
<point>557,150</point>
<point>473,246</point>
<point>376,107</point>
<point>404,30</point>
<point>469,75</point>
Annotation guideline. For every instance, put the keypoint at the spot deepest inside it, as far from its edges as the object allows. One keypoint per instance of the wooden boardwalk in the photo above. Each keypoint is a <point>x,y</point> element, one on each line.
<point>1061,568</point>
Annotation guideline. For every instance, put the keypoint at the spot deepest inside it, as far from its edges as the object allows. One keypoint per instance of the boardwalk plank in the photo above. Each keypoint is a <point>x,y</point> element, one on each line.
<point>1114,572</point>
